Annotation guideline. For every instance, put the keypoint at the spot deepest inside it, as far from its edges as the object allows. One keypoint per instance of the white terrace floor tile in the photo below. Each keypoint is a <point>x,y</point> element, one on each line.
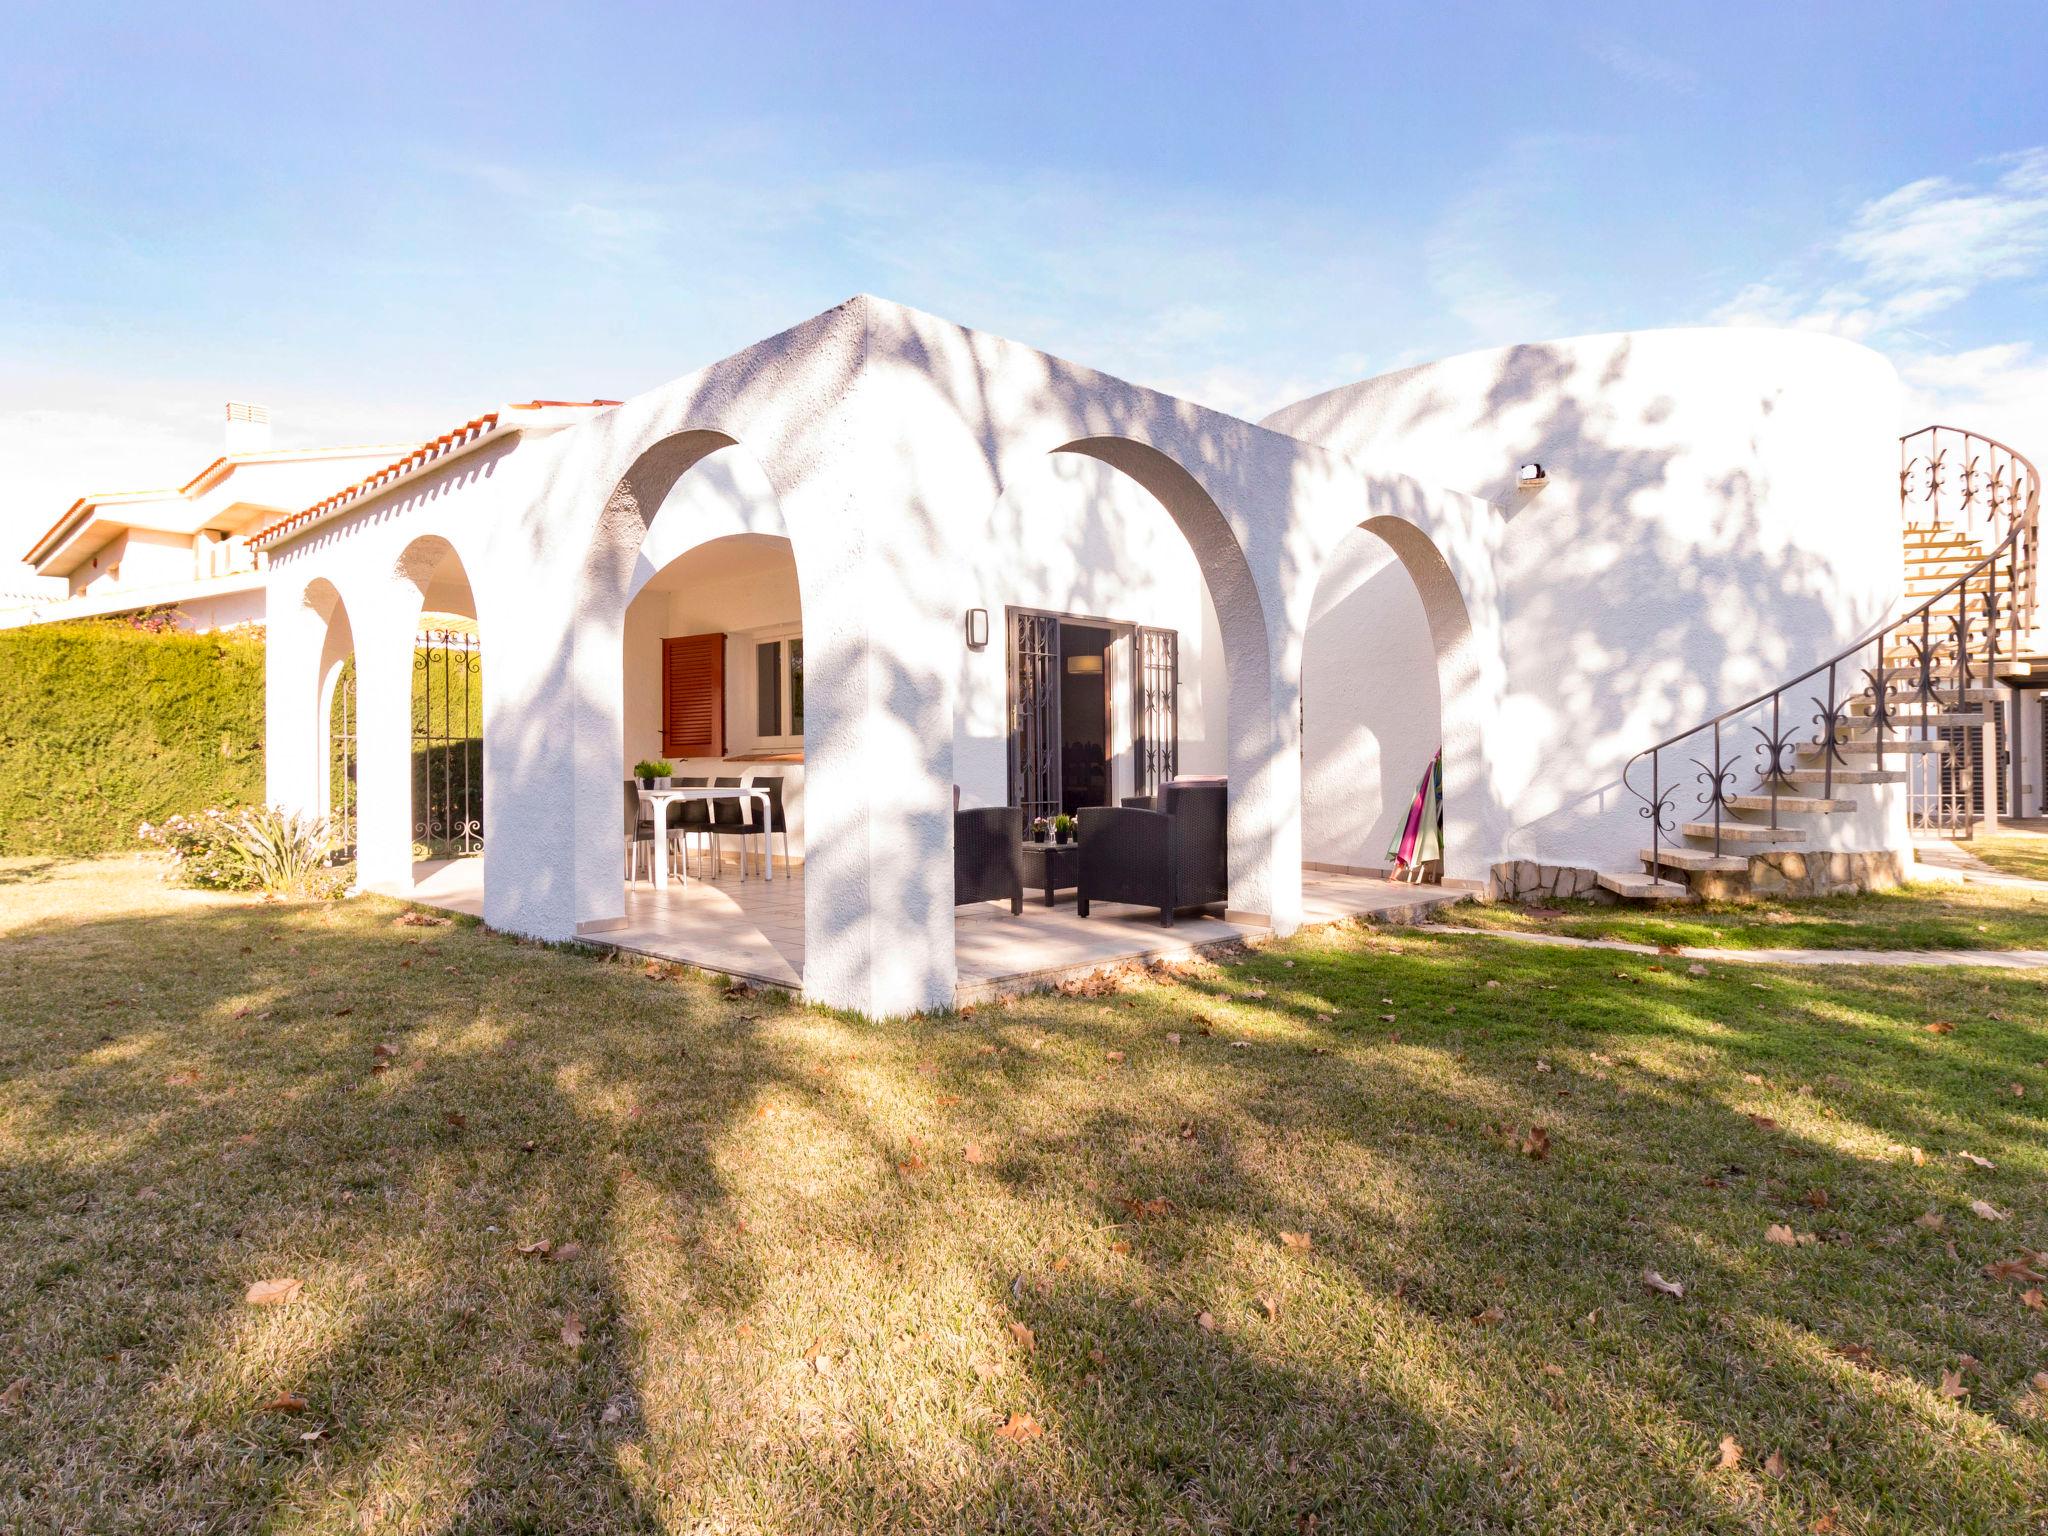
<point>754,928</point>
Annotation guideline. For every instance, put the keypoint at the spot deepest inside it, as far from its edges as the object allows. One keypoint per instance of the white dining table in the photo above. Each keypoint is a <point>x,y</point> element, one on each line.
<point>657,801</point>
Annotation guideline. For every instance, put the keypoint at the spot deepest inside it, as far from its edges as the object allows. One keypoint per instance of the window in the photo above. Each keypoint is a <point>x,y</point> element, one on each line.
<point>779,688</point>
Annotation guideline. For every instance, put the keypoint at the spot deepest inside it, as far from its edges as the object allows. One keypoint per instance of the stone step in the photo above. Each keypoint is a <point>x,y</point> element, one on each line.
<point>1745,832</point>
<point>1902,721</point>
<point>1805,805</point>
<point>1645,888</point>
<point>1870,748</point>
<point>1847,776</point>
<point>1697,860</point>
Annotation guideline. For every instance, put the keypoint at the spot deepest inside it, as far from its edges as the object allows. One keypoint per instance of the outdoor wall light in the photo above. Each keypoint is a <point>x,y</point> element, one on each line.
<point>1530,477</point>
<point>977,629</point>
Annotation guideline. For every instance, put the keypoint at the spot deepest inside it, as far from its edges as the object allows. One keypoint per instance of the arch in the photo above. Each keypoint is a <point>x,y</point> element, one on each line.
<point>1445,709</point>
<point>691,489</point>
<point>321,604</point>
<point>1263,825</point>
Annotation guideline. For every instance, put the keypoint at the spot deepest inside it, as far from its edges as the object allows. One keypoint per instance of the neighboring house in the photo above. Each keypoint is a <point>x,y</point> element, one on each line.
<point>899,566</point>
<point>185,549</point>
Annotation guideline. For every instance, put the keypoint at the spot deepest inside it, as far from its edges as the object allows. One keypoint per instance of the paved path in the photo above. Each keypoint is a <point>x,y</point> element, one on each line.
<point>1997,959</point>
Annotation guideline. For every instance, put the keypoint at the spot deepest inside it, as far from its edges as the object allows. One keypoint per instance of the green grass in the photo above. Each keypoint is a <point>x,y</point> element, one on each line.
<point>2013,853</point>
<point>803,1241</point>
<point>1913,917</point>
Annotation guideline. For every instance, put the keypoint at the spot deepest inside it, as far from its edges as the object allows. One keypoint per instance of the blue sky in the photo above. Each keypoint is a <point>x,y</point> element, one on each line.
<point>380,222</point>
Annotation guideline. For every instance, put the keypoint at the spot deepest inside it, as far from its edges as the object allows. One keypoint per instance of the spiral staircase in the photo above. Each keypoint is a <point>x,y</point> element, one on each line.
<point>1799,789</point>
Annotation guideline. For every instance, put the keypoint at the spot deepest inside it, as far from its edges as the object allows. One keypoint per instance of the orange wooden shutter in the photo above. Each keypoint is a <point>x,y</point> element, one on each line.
<point>693,696</point>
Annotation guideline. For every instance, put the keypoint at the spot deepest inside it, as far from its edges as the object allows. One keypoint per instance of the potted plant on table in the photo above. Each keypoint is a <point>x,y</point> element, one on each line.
<point>1041,829</point>
<point>1063,829</point>
<point>653,772</point>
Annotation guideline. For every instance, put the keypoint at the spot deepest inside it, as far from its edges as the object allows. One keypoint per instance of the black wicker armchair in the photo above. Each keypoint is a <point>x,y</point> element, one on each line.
<point>1171,858</point>
<point>988,856</point>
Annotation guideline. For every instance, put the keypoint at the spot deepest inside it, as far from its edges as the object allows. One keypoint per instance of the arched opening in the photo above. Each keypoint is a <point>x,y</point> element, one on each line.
<point>444,724</point>
<point>1388,682</point>
<point>1103,675</point>
<point>334,793</point>
<point>712,688</point>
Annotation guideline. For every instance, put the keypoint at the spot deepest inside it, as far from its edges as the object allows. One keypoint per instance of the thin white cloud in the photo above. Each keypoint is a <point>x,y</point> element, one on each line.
<point>1907,263</point>
<point>1642,67</point>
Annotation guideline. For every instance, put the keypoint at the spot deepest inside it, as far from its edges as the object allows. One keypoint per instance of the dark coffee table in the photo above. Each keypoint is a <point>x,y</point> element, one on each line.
<point>1052,867</point>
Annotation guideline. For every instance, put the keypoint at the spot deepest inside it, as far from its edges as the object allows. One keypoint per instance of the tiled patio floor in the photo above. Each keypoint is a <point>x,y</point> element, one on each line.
<point>755,928</point>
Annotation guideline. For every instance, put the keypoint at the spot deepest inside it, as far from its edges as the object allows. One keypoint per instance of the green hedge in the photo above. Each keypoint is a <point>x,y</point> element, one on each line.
<point>103,726</point>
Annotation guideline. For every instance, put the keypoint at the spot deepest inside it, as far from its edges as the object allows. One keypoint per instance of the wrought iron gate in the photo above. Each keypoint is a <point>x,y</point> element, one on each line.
<point>1158,708</point>
<point>1035,713</point>
<point>447,745</point>
<point>341,764</point>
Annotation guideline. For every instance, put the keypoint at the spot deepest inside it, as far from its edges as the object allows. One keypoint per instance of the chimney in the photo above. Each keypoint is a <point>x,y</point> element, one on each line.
<point>248,428</point>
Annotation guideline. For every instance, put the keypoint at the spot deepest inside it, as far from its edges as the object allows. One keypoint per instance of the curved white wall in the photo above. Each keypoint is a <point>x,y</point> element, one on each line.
<point>1721,511</point>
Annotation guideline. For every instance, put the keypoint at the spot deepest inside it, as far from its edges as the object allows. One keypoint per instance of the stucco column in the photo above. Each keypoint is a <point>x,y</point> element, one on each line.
<point>384,664</point>
<point>1265,800</point>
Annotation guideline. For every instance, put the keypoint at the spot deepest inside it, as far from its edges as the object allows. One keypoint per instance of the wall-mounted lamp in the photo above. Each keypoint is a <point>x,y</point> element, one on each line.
<point>977,629</point>
<point>1530,477</point>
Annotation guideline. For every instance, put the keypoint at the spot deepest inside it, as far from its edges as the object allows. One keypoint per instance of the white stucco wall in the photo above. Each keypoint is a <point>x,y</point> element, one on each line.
<point>1721,511</point>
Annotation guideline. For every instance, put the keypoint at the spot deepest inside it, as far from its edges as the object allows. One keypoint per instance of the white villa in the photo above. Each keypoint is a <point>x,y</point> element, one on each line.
<point>900,570</point>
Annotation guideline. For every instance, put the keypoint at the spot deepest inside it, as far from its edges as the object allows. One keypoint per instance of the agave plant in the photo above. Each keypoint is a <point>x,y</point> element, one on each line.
<point>286,852</point>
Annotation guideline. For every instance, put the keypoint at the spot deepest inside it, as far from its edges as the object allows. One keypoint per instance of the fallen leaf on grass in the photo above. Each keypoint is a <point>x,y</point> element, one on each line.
<point>1774,1465</point>
<point>1299,1242</point>
<point>1941,1027</point>
<point>1173,1037</point>
<point>2013,1269</point>
<point>572,1331</point>
<point>1981,1162</point>
<point>1114,1055</point>
<point>1489,1316</point>
<point>911,1165</point>
<point>1953,1385</point>
<point>818,1358</point>
<point>1656,1282</point>
<point>1118,1245</point>
<point>973,1154</point>
<point>1271,1304</point>
<point>1783,1236</point>
<point>1933,1220</point>
<point>566,1252</point>
<point>1986,1210</point>
<point>1536,1144</point>
<point>1695,970</point>
<point>1763,1122</point>
<point>1019,1427</point>
<point>1138,1210</point>
<point>1817,1198</point>
<point>2031,1299</point>
<point>2040,1382</point>
<point>987,1370</point>
<point>273,1293</point>
<point>1731,1454</point>
<point>185,1079</point>
<point>456,1119</point>
<point>1857,1355</point>
<point>1026,1339</point>
<point>1206,1322</point>
<point>539,1248</point>
<point>15,1391</point>
<point>285,1402</point>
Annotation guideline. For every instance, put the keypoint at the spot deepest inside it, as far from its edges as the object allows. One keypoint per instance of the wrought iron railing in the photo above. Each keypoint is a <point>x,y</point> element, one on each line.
<point>447,745</point>
<point>1902,677</point>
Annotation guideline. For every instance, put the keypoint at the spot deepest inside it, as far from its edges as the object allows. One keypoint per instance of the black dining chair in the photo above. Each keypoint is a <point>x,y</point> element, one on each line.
<point>728,817</point>
<point>687,816</point>
<point>639,832</point>
<point>777,820</point>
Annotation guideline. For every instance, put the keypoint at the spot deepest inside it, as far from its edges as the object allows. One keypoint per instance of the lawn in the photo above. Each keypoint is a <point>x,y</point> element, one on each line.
<point>1272,1245</point>
<point>2013,853</point>
<point>1930,916</point>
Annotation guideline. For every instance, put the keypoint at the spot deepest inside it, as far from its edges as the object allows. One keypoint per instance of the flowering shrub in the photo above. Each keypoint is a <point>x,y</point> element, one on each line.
<point>245,849</point>
<point>205,850</point>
